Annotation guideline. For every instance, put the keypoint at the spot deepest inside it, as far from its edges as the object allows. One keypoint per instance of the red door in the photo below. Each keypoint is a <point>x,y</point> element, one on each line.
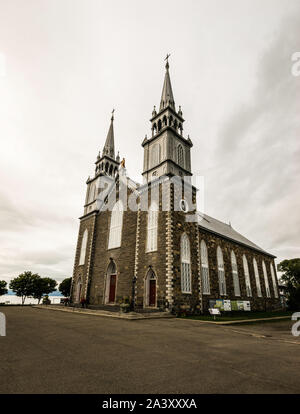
<point>112,288</point>
<point>152,292</point>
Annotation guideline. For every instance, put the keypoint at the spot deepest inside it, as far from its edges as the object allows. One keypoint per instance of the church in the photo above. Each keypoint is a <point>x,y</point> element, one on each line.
<point>148,244</point>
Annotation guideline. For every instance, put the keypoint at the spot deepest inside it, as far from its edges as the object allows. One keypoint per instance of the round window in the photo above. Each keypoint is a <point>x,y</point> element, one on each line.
<point>183,205</point>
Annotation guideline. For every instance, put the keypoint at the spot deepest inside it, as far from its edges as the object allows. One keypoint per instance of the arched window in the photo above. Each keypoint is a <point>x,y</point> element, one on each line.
<point>235,275</point>
<point>274,281</point>
<point>257,280</point>
<point>221,272</point>
<point>180,155</point>
<point>247,276</point>
<point>116,221</point>
<point>159,125</point>
<point>266,279</point>
<point>111,282</point>
<point>152,227</point>
<point>78,289</point>
<point>83,247</point>
<point>204,268</point>
<point>186,282</point>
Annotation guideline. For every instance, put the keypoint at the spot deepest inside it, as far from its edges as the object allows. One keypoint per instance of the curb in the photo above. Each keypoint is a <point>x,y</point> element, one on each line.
<point>129,316</point>
<point>236,321</point>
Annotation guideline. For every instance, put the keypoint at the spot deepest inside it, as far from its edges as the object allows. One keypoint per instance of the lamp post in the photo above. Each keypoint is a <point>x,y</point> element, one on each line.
<point>133,293</point>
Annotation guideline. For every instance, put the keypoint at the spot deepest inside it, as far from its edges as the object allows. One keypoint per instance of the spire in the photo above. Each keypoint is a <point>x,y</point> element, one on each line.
<point>109,147</point>
<point>167,98</point>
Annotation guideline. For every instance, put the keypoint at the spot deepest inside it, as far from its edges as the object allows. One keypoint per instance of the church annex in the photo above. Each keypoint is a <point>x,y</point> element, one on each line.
<point>150,252</point>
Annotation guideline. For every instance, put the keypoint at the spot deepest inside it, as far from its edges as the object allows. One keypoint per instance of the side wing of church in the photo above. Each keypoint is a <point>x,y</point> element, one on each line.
<point>138,244</point>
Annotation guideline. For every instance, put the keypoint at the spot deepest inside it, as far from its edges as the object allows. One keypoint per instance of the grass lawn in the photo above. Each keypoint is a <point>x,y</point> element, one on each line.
<point>234,316</point>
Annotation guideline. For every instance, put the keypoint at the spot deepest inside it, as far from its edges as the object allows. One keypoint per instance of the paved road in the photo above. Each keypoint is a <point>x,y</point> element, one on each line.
<point>55,352</point>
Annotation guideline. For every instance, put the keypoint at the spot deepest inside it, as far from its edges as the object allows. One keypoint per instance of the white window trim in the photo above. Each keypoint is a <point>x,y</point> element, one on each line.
<point>268,292</point>
<point>185,256</point>
<point>116,226</point>
<point>221,272</point>
<point>204,268</point>
<point>247,277</point>
<point>152,228</point>
<point>83,248</point>
<point>235,275</point>
<point>257,279</point>
<point>274,280</point>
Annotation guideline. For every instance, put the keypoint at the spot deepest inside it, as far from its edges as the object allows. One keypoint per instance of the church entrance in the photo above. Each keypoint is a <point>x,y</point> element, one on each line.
<point>112,288</point>
<point>152,292</point>
<point>111,283</point>
<point>150,289</point>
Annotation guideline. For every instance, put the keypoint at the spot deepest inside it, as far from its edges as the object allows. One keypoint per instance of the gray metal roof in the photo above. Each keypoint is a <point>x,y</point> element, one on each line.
<point>223,229</point>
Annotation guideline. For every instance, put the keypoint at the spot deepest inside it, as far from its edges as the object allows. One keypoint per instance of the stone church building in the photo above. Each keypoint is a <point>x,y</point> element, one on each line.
<point>159,252</point>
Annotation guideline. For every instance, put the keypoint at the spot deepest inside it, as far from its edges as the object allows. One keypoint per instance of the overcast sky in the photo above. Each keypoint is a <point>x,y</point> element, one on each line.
<point>64,64</point>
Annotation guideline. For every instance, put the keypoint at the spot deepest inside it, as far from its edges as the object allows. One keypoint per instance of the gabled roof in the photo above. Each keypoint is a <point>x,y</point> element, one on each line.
<point>223,229</point>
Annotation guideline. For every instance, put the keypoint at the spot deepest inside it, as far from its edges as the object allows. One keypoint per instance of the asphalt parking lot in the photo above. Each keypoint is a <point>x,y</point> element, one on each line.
<point>57,352</point>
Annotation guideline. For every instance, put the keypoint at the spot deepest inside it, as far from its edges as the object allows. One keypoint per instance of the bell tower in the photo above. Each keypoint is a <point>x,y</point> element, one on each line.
<point>167,152</point>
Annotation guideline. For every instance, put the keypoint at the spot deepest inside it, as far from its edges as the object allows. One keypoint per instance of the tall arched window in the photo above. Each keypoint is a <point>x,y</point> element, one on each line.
<point>266,280</point>
<point>186,283</point>
<point>83,247</point>
<point>247,276</point>
<point>257,280</point>
<point>235,275</point>
<point>204,268</point>
<point>274,281</point>
<point>116,221</point>
<point>152,227</point>
<point>180,155</point>
<point>221,271</point>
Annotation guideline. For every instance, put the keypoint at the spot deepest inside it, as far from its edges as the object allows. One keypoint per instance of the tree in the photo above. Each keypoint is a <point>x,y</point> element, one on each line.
<point>43,286</point>
<point>291,279</point>
<point>3,290</point>
<point>23,285</point>
<point>65,287</point>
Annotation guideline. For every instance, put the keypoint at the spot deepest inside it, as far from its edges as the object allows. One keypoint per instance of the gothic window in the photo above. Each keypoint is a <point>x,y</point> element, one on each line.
<point>235,275</point>
<point>266,279</point>
<point>83,247</point>
<point>221,272</point>
<point>247,277</point>
<point>257,280</point>
<point>186,283</point>
<point>154,128</point>
<point>159,125</point>
<point>274,281</point>
<point>175,124</point>
<point>171,120</point>
<point>165,122</point>
<point>180,155</point>
<point>152,227</point>
<point>204,268</point>
<point>116,222</point>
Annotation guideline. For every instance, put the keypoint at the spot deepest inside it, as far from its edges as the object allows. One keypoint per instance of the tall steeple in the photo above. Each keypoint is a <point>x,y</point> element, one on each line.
<point>167,98</point>
<point>106,163</point>
<point>109,146</point>
<point>167,152</point>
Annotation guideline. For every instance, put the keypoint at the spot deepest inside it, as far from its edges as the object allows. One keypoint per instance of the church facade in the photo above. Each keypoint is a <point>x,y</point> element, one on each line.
<point>148,243</point>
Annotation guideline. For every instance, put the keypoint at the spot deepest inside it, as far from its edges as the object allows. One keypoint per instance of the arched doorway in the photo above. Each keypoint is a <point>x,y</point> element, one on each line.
<point>111,283</point>
<point>150,282</point>
<point>78,289</point>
